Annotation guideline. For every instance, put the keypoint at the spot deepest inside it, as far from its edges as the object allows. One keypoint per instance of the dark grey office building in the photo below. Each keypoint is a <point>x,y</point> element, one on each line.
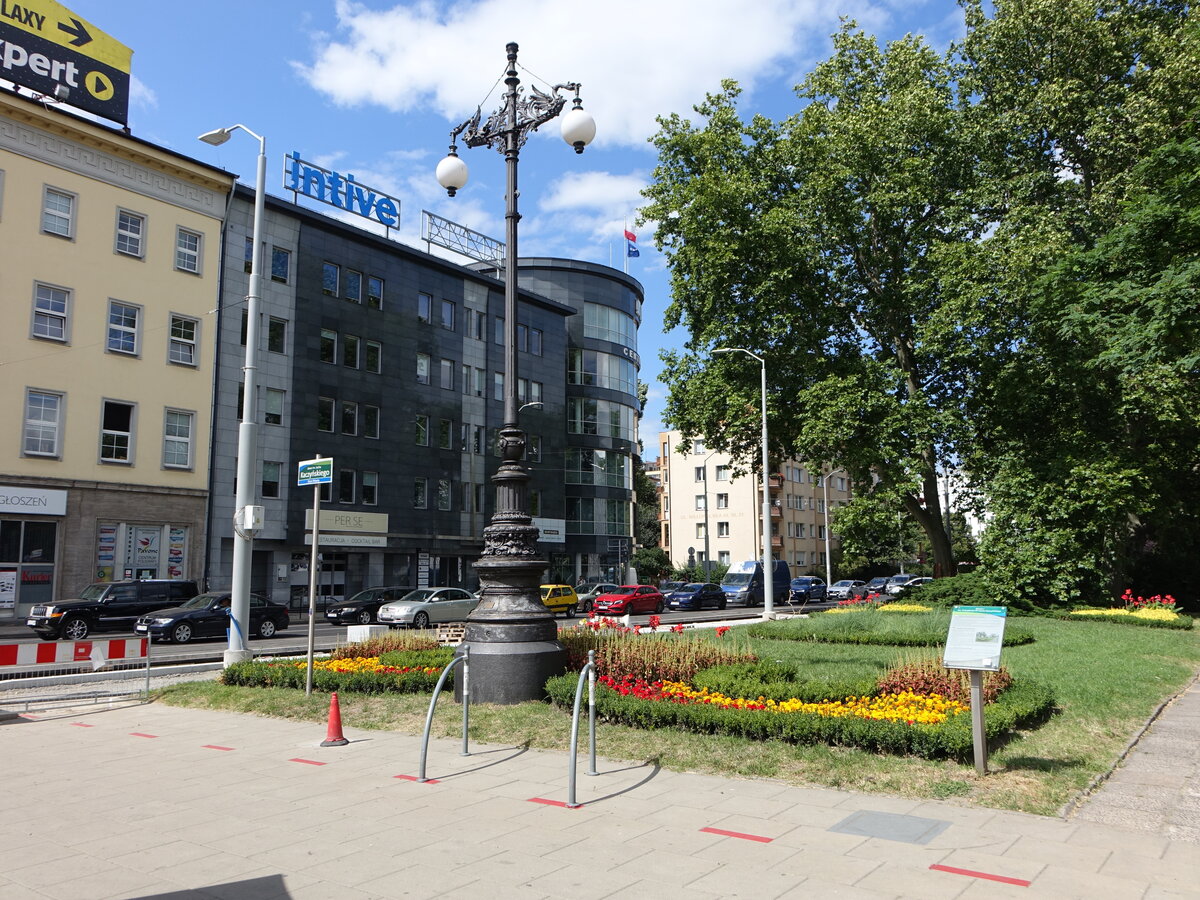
<point>390,360</point>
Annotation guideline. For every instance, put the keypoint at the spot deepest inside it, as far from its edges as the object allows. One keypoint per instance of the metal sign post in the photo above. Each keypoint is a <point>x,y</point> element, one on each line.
<point>974,642</point>
<point>315,472</point>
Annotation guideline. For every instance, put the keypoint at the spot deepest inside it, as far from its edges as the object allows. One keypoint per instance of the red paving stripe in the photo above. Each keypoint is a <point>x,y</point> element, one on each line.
<point>307,762</point>
<point>414,778</point>
<point>1020,882</point>
<point>28,716</point>
<point>546,802</point>
<point>738,834</point>
<point>215,747</point>
<point>140,734</point>
<point>82,725</point>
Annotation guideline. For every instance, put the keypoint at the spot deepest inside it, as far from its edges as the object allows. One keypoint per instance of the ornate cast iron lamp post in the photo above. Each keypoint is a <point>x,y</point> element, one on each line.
<point>512,636</point>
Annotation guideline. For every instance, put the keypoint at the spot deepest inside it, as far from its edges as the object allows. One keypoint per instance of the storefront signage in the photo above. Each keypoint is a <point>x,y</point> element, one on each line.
<point>32,501</point>
<point>553,531</point>
<point>339,190</point>
<point>349,540</point>
<point>335,520</point>
<point>47,48</point>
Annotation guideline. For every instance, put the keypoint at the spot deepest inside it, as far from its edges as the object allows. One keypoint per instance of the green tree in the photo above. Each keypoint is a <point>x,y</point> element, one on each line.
<point>823,244</point>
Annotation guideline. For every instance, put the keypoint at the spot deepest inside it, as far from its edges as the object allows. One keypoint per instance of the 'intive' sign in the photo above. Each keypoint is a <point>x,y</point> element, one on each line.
<point>339,190</point>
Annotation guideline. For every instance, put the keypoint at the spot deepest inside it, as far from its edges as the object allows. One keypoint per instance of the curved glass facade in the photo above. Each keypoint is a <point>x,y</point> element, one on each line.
<point>606,370</point>
<point>607,324</point>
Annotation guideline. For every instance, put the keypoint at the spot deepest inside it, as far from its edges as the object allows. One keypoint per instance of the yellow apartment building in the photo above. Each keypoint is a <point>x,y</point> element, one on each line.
<point>110,250</point>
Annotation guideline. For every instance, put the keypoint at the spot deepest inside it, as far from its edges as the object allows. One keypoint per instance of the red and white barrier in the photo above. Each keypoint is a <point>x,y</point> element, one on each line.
<point>59,652</point>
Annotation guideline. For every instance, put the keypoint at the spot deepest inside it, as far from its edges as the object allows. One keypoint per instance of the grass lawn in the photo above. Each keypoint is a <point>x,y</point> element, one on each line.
<point>1108,680</point>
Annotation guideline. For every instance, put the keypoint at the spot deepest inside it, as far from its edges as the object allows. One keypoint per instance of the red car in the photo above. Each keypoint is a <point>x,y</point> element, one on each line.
<point>630,598</point>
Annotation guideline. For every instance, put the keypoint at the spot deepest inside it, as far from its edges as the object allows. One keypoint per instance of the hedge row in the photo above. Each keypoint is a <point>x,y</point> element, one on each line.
<point>778,682</point>
<point>910,630</point>
<point>290,675</point>
<point>1020,705</point>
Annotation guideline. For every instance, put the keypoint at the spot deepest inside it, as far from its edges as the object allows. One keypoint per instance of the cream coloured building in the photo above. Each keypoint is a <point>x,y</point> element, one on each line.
<point>706,511</point>
<point>110,247</point>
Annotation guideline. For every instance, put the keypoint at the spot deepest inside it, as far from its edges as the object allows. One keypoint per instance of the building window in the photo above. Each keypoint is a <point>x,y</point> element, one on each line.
<point>352,289</point>
<point>346,484</point>
<point>273,406</point>
<point>445,434</point>
<point>699,531</point>
<point>443,494</point>
<point>446,374</point>
<point>116,431</point>
<point>722,501</point>
<point>325,413</point>
<point>700,473</point>
<point>535,392</point>
<point>697,447</point>
<point>122,328</point>
<point>328,352</point>
<point>522,337</point>
<point>373,356</point>
<point>448,311</point>
<point>371,421</point>
<point>182,346</point>
<point>350,351</point>
<point>535,503</point>
<point>42,423</point>
<point>476,324</point>
<point>177,439</point>
<point>723,557</point>
<point>277,335</point>
<point>722,529</point>
<point>424,308</point>
<point>58,213</point>
<point>533,448</point>
<point>349,417</point>
<point>498,330</point>
<point>498,386</point>
<point>421,434</point>
<point>722,473</point>
<point>422,368</point>
<point>248,264</point>
<point>535,341</point>
<point>281,265</point>
<point>270,479</point>
<point>329,279</point>
<point>370,488</point>
<point>420,493</point>
<point>187,251</point>
<point>700,501</point>
<point>130,229</point>
<point>480,382</point>
<point>51,308</point>
<point>374,292</point>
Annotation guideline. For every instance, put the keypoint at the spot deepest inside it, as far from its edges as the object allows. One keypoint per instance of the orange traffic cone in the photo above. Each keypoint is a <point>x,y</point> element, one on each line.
<point>333,734</point>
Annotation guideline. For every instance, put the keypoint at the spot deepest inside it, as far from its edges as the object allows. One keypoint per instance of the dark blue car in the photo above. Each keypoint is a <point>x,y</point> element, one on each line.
<point>696,595</point>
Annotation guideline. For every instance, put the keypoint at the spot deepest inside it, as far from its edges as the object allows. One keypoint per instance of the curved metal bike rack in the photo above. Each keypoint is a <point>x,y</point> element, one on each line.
<point>590,671</point>
<point>466,705</point>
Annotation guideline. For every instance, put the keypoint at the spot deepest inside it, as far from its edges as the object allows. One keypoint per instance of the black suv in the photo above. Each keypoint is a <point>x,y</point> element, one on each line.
<point>107,606</point>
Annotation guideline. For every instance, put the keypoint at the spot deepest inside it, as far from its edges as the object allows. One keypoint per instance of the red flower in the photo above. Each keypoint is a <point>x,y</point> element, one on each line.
<point>721,630</point>
<point>655,621</point>
<point>678,629</point>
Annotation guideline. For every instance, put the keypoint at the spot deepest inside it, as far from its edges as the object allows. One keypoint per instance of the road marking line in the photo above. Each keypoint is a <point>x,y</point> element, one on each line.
<point>307,762</point>
<point>545,802</point>
<point>738,834</point>
<point>1020,882</point>
<point>215,747</point>
<point>140,734</point>
<point>417,780</point>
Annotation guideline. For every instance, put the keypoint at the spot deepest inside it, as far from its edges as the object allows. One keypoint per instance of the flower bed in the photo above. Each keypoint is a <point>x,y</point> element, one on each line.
<point>1158,611</point>
<point>362,674</point>
<point>901,732</point>
<point>866,624</point>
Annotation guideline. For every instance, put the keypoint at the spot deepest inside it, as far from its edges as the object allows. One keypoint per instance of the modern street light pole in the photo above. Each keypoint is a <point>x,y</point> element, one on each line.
<point>768,574</point>
<point>828,555</point>
<point>245,522</point>
<point>512,636</point>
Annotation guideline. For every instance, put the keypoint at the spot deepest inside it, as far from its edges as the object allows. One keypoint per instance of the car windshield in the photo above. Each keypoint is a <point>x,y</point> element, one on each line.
<point>799,582</point>
<point>420,595</point>
<point>200,601</point>
<point>737,578</point>
<point>844,583</point>
<point>94,591</point>
<point>626,589</point>
<point>692,588</point>
<point>360,597</point>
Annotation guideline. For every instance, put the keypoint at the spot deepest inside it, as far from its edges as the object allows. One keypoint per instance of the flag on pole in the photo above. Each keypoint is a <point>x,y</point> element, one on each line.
<point>631,249</point>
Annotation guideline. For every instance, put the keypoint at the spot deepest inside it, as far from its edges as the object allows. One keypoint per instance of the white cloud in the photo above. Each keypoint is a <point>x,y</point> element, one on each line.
<point>140,94</point>
<point>635,60</point>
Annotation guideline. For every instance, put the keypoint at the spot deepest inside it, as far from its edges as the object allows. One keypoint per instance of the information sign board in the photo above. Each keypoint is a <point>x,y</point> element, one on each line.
<point>975,638</point>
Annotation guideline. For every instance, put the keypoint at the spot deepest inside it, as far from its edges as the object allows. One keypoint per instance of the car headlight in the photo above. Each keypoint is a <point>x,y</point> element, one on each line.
<point>159,621</point>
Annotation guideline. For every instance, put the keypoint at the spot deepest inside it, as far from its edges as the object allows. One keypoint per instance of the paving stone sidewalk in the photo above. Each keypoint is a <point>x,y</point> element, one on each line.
<point>151,801</point>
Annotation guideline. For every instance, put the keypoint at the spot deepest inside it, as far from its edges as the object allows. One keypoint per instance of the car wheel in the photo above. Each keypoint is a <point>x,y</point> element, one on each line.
<point>570,611</point>
<point>267,628</point>
<point>587,607</point>
<point>364,617</point>
<point>181,633</point>
<point>75,629</point>
<point>421,620</point>
<point>722,603</point>
<point>658,607</point>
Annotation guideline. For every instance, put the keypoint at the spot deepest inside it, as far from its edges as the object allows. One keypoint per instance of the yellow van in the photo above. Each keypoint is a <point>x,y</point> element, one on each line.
<point>560,598</point>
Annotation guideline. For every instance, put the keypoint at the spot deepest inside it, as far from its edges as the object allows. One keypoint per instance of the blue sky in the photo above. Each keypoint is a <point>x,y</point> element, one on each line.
<point>374,88</point>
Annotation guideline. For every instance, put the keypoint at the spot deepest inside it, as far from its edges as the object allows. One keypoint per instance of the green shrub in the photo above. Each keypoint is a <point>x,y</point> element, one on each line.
<point>438,657</point>
<point>1021,704</point>
<point>393,640</point>
<point>968,589</point>
<point>289,674</point>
